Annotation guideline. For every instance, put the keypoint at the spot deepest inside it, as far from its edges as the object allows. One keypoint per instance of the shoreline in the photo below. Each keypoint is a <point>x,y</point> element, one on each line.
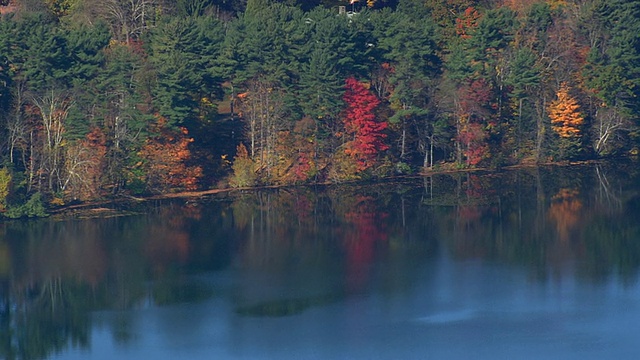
<point>101,206</point>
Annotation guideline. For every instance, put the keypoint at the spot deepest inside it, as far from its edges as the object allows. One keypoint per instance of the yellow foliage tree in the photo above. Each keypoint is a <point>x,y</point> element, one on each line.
<point>554,4</point>
<point>5,186</point>
<point>244,168</point>
<point>566,119</point>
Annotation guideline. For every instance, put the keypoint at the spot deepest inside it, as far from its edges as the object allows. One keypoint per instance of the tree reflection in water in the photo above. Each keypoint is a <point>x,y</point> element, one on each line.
<point>294,249</point>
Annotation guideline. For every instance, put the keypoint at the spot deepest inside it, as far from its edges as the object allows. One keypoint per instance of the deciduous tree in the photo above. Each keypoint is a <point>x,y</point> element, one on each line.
<point>566,118</point>
<point>567,121</point>
<point>165,159</point>
<point>85,163</point>
<point>364,133</point>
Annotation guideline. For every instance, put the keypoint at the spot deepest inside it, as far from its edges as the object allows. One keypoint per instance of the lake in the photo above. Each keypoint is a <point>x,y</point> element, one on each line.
<point>537,263</point>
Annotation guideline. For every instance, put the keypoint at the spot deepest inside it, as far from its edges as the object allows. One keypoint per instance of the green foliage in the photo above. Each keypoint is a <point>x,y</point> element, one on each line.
<point>493,34</point>
<point>85,45</point>
<point>539,17</point>
<point>135,176</point>
<point>268,44</point>
<point>524,72</point>
<point>5,187</point>
<point>182,52</point>
<point>325,66</point>
<point>321,85</point>
<point>415,9</point>
<point>615,72</point>
<point>195,8</point>
<point>408,44</point>
<point>256,6</point>
<point>458,63</point>
<point>403,168</point>
<point>34,207</point>
<point>35,50</point>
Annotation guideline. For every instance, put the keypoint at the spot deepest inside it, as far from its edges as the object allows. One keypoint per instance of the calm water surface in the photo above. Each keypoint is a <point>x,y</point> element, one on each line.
<point>530,264</point>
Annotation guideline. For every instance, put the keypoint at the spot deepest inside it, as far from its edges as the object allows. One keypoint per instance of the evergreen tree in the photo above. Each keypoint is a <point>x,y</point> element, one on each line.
<point>182,52</point>
<point>326,62</point>
<point>36,51</point>
<point>523,76</point>
<point>407,43</point>
<point>117,99</point>
<point>85,46</point>
<point>613,68</point>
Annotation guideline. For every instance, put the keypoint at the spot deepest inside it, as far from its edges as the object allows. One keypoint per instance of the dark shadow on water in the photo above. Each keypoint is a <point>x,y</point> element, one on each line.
<point>286,307</point>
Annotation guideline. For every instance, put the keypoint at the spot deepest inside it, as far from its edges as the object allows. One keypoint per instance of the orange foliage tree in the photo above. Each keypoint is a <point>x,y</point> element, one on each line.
<point>165,157</point>
<point>473,138</point>
<point>566,121</point>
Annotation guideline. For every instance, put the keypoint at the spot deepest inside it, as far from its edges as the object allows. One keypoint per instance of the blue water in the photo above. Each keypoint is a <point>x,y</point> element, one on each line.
<point>539,264</point>
<point>456,310</point>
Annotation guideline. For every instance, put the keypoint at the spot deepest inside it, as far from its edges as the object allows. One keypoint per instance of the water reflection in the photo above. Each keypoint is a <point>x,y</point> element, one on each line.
<point>285,252</point>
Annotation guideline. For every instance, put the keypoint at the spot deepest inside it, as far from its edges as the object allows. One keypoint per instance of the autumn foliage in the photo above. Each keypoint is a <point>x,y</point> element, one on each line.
<point>440,84</point>
<point>85,165</point>
<point>467,22</point>
<point>473,138</point>
<point>361,125</point>
<point>165,159</point>
<point>304,164</point>
<point>475,108</point>
<point>244,168</point>
<point>566,119</point>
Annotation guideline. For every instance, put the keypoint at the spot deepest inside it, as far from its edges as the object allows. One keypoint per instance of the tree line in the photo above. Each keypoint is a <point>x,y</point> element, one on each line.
<point>100,98</point>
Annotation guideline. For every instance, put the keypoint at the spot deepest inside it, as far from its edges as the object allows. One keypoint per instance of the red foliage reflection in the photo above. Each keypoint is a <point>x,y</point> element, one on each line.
<point>367,231</point>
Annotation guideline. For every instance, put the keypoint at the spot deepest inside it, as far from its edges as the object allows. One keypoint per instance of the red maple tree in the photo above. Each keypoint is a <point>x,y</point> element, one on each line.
<point>360,122</point>
<point>474,120</point>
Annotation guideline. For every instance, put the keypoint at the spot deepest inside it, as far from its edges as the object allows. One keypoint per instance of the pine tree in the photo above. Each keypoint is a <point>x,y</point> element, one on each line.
<point>183,51</point>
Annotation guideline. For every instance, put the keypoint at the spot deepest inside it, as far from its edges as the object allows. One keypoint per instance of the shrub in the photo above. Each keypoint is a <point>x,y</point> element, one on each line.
<point>5,186</point>
<point>32,208</point>
<point>244,174</point>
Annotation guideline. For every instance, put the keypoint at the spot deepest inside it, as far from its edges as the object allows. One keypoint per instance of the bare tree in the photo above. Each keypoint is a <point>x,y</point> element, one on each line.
<point>608,123</point>
<point>128,19</point>
<point>262,109</point>
<point>54,108</point>
<point>16,123</point>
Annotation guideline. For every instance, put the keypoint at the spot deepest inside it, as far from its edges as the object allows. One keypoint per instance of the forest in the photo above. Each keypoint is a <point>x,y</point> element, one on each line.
<point>105,98</point>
